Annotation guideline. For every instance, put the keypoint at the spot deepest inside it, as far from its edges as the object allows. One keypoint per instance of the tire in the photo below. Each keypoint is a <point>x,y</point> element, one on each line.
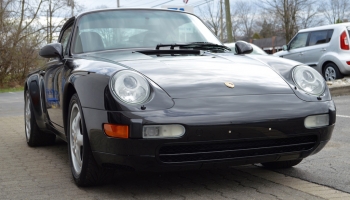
<point>34,136</point>
<point>331,72</point>
<point>85,170</point>
<point>281,164</point>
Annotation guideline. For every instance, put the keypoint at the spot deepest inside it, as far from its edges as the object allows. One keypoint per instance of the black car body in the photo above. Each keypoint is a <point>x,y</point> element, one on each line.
<point>197,104</point>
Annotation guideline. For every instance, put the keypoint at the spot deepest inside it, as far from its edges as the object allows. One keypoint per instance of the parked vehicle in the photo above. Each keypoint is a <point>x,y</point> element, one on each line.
<point>256,50</point>
<point>325,48</point>
<point>125,94</point>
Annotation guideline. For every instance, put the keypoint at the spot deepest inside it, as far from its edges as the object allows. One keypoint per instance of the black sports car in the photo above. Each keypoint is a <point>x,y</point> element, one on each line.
<point>150,89</point>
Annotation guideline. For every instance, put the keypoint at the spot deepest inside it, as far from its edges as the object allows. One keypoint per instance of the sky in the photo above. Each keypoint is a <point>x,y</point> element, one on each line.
<point>93,4</point>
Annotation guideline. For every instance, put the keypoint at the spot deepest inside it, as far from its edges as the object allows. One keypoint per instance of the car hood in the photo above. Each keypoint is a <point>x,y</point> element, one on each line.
<point>206,75</point>
<point>280,53</point>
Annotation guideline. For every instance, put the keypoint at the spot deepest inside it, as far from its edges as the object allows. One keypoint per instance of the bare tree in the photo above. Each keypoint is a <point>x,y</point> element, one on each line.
<point>235,21</point>
<point>288,12</point>
<point>57,12</point>
<point>246,17</point>
<point>20,36</point>
<point>210,13</point>
<point>310,17</point>
<point>335,10</point>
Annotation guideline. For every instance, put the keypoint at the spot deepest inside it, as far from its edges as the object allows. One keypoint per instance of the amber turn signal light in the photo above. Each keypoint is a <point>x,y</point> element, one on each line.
<point>116,131</point>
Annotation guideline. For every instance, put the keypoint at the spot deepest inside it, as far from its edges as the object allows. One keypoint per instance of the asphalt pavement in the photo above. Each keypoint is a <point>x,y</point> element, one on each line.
<point>330,167</point>
<point>44,173</point>
<point>11,104</point>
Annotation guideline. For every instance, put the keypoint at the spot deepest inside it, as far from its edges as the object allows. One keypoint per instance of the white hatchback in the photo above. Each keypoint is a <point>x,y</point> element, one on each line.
<point>325,48</point>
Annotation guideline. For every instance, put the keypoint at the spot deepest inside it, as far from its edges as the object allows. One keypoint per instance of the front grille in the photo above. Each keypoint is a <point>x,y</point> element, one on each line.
<point>234,149</point>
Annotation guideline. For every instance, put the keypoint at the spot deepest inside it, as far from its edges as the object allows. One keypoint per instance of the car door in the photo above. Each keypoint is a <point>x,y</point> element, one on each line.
<point>296,47</point>
<point>317,46</point>
<point>54,77</point>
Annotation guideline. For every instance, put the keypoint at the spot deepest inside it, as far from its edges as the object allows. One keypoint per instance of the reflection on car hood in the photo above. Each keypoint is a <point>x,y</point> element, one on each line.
<point>198,76</point>
<point>206,75</point>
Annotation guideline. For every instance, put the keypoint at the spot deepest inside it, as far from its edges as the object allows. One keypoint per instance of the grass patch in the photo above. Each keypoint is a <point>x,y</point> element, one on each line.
<point>14,89</point>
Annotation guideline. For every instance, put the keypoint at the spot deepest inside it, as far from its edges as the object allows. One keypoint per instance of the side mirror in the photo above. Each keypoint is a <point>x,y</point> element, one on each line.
<point>285,48</point>
<point>242,47</point>
<point>52,50</point>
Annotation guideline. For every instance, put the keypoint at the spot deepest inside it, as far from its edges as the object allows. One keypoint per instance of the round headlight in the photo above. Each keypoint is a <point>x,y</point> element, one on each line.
<point>309,80</point>
<point>130,87</point>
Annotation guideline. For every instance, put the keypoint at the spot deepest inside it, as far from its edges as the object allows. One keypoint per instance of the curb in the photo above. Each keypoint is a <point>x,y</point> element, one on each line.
<point>339,87</point>
<point>340,90</point>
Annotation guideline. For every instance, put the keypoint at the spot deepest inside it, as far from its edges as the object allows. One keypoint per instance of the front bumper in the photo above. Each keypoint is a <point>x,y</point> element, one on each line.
<point>240,130</point>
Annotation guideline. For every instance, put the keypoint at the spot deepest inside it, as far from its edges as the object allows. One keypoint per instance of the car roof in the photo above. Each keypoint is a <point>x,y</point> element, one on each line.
<point>114,9</point>
<point>332,26</point>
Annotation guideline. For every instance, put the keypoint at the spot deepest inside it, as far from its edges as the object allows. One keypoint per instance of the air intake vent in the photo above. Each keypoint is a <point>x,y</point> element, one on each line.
<point>234,149</point>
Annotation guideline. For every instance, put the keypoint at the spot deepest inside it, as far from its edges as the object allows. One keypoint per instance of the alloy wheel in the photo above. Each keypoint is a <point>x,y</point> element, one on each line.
<point>76,138</point>
<point>330,74</point>
<point>28,115</point>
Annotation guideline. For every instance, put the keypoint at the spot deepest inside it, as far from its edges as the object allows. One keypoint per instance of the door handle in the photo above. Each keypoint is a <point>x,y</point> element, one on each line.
<point>323,49</point>
<point>301,53</point>
<point>42,72</point>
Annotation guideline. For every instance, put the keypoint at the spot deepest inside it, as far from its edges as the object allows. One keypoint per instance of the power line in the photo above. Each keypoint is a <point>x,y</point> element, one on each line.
<point>162,3</point>
<point>141,4</point>
<point>201,3</point>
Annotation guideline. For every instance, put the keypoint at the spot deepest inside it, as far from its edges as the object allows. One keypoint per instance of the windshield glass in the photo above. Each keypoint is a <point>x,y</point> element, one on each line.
<point>120,29</point>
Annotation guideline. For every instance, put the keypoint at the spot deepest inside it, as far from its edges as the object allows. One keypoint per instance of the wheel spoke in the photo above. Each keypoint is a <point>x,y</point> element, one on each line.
<point>79,139</point>
<point>75,125</point>
<point>78,156</point>
<point>28,118</point>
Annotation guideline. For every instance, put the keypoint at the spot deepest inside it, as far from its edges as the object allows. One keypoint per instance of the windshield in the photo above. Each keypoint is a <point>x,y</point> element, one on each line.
<point>121,29</point>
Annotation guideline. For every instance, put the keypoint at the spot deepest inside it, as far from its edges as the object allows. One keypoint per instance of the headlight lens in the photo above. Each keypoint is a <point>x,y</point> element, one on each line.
<point>309,80</point>
<point>130,87</point>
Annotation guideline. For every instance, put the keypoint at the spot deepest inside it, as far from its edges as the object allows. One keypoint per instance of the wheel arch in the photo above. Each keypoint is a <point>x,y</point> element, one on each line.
<point>69,92</point>
<point>337,66</point>
<point>325,63</point>
<point>32,85</point>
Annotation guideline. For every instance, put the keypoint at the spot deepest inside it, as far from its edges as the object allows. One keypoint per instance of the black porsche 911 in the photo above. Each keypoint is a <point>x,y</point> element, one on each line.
<point>155,90</point>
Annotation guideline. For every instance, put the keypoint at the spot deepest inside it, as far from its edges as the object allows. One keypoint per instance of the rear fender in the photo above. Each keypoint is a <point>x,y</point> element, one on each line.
<point>34,85</point>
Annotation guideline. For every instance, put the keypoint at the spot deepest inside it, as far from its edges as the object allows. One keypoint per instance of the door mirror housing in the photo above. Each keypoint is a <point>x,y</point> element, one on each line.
<point>242,47</point>
<point>285,47</point>
<point>52,50</point>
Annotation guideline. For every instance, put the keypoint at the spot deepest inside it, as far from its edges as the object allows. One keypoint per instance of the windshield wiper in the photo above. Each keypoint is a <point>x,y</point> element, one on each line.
<point>196,45</point>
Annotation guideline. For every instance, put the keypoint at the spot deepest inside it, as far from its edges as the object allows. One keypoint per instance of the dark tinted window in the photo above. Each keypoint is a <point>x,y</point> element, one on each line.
<point>318,37</point>
<point>329,37</point>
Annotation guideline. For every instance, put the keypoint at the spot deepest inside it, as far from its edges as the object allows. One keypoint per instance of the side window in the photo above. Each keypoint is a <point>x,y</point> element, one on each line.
<point>65,38</point>
<point>329,36</point>
<point>299,41</point>
<point>318,37</point>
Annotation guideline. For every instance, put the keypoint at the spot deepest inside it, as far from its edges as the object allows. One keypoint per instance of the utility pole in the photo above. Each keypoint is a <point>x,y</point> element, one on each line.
<point>72,7</point>
<point>50,22</point>
<point>71,4</point>
<point>47,25</point>
<point>118,5</point>
<point>228,21</point>
<point>221,23</point>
